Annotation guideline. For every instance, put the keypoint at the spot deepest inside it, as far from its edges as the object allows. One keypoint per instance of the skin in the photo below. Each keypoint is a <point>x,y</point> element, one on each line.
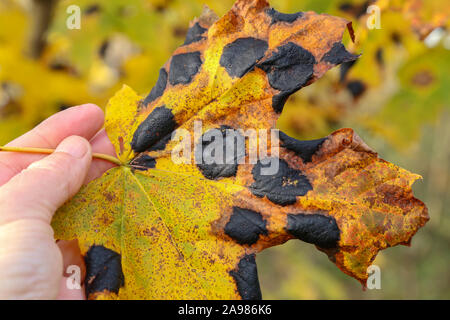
<point>32,188</point>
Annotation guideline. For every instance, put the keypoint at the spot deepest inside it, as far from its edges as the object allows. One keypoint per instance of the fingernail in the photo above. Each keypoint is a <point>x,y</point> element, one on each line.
<point>76,146</point>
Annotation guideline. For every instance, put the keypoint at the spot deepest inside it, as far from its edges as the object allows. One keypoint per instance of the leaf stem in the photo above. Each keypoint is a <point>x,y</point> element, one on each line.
<point>49,151</point>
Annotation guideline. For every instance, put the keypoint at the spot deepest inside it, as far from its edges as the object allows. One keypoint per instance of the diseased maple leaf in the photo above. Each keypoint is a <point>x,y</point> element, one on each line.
<point>156,229</point>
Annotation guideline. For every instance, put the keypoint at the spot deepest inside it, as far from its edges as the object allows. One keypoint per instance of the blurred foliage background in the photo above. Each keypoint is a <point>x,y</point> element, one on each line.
<point>396,96</point>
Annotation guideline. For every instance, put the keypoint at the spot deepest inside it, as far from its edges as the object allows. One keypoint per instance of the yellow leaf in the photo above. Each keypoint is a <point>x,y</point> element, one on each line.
<point>157,229</point>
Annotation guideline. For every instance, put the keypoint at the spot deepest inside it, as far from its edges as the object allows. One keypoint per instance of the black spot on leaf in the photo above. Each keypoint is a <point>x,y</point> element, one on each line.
<point>143,162</point>
<point>305,149</point>
<point>283,17</point>
<point>183,67</point>
<point>159,123</point>
<point>279,100</point>
<point>317,229</point>
<point>194,34</point>
<point>214,166</point>
<point>161,144</point>
<point>240,56</point>
<point>246,278</point>
<point>103,270</point>
<point>282,187</point>
<point>159,87</point>
<point>338,54</point>
<point>288,70</point>
<point>245,226</point>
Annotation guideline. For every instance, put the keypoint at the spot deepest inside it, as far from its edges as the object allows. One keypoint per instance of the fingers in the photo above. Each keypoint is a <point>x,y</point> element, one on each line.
<point>38,191</point>
<point>66,293</point>
<point>100,144</point>
<point>84,121</point>
<point>30,261</point>
<point>71,254</point>
<point>74,271</point>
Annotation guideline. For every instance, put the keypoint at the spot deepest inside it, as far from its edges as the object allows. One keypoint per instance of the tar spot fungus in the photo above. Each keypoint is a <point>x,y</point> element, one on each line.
<point>283,17</point>
<point>338,54</point>
<point>305,149</point>
<point>159,87</point>
<point>183,67</point>
<point>240,56</point>
<point>194,34</point>
<point>246,278</point>
<point>282,187</point>
<point>317,229</point>
<point>143,162</point>
<point>288,70</point>
<point>245,226</point>
<point>232,146</point>
<point>161,144</point>
<point>159,123</point>
<point>103,270</point>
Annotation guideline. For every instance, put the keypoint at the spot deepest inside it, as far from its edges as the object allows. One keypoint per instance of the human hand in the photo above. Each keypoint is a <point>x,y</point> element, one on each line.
<point>32,188</point>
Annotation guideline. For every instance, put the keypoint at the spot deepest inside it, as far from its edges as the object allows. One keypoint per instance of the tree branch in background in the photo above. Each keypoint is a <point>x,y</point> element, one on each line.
<point>41,16</point>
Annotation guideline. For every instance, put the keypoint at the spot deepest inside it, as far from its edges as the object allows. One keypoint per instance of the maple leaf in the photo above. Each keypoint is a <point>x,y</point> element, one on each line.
<point>156,229</point>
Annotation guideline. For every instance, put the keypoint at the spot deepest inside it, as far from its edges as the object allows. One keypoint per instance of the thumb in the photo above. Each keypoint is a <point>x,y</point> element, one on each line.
<point>38,191</point>
<point>30,261</point>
